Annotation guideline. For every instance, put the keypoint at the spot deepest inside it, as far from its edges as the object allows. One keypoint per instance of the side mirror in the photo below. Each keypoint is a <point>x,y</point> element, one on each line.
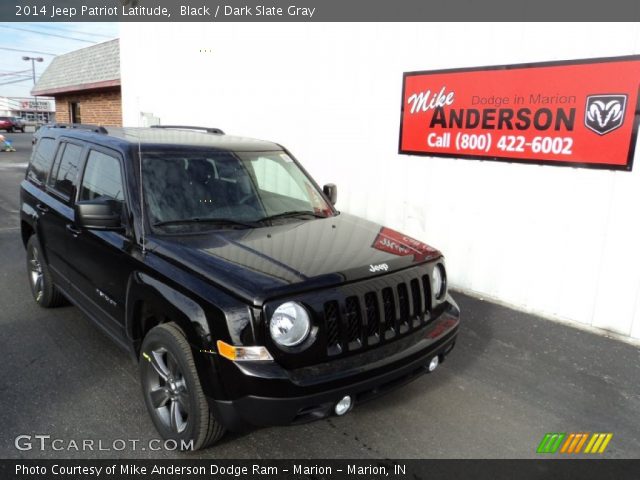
<point>331,191</point>
<point>100,214</point>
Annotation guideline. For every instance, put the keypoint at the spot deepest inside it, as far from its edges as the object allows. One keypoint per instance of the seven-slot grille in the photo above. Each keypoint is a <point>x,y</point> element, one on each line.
<point>368,316</point>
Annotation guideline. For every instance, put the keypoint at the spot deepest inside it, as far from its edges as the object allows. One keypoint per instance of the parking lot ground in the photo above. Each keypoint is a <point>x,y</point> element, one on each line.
<point>511,378</point>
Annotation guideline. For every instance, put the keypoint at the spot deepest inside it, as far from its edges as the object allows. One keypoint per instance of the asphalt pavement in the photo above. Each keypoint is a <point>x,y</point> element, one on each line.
<point>511,378</point>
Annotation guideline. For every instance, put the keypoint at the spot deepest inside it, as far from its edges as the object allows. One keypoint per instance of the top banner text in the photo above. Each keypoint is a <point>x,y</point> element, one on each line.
<point>314,10</point>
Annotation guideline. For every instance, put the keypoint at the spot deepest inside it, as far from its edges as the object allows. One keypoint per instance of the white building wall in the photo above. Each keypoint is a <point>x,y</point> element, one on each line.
<point>4,107</point>
<point>561,242</point>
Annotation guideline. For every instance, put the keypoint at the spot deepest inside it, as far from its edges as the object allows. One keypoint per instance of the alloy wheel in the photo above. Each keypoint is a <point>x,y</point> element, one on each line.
<point>36,276</point>
<point>167,389</point>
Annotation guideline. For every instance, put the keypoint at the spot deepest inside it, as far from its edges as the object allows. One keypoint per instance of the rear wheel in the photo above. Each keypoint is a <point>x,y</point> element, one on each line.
<point>43,289</point>
<point>172,390</point>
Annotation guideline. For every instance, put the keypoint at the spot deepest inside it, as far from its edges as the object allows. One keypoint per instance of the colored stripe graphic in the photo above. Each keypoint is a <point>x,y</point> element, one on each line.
<point>550,442</point>
<point>573,443</point>
<point>598,443</point>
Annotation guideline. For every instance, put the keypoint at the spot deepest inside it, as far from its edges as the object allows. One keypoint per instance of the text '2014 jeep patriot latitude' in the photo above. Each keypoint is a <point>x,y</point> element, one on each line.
<point>228,274</point>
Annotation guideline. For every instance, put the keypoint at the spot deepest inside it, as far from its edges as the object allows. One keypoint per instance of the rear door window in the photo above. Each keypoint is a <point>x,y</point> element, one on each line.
<point>64,175</point>
<point>41,160</point>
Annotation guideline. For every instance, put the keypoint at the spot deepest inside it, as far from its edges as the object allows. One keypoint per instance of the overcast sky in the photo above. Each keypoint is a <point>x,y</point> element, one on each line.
<point>41,40</point>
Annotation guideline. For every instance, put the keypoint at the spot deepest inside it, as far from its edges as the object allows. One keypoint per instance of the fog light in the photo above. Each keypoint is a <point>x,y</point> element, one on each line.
<point>433,364</point>
<point>343,405</point>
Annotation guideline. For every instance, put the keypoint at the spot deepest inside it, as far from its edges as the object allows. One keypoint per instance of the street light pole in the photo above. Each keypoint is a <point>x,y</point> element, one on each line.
<point>33,71</point>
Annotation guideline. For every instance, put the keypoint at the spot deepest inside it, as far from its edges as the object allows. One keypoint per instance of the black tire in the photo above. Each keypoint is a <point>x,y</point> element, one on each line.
<point>179,409</point>
<point>43,289</point>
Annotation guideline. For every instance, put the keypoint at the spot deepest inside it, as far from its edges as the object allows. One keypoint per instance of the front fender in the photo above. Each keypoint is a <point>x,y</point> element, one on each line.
<point>163,302</point>
<point>219,317</point>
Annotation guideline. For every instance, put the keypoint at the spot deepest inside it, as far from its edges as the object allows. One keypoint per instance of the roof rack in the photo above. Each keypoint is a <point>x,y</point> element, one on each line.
<point>80,126</point>
<point>214,130</point>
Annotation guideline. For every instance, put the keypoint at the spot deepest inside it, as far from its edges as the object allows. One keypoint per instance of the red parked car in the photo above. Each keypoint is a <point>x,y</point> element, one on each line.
<point>11,124</point>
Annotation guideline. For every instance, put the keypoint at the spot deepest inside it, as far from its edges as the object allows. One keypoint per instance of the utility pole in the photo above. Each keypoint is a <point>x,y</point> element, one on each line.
<point>33,71</point>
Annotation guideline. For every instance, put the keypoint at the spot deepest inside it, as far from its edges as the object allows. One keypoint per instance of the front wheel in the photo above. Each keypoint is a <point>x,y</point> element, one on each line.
<point>43,290</point>
<point>172,390</point>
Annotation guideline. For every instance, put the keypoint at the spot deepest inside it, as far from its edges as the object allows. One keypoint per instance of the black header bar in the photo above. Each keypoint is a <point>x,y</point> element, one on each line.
<point>317,10</point>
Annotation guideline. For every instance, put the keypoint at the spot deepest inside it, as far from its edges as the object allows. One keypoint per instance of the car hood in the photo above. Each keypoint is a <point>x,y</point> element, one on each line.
<point>299,255</point>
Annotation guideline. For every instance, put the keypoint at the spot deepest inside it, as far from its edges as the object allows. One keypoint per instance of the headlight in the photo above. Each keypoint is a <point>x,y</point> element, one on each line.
<point>290,324</point>
<point>439,281</point>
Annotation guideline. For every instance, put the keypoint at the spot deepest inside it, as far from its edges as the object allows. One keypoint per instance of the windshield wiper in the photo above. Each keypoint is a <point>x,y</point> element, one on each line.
<point>293,213</point>
<point>216,221</point>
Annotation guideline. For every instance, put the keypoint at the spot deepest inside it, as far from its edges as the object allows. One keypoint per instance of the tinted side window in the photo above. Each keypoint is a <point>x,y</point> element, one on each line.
<point>102,178</point>
<point>65,174</point>
<point>51,181</point>
<point>41,159</point>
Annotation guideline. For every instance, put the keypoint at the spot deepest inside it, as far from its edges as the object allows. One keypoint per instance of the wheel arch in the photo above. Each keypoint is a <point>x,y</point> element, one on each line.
<point>151,302</point>
<point>26,231</point>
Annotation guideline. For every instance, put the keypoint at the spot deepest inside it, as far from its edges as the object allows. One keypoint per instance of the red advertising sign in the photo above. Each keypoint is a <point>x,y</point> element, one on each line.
<point>580,113</point>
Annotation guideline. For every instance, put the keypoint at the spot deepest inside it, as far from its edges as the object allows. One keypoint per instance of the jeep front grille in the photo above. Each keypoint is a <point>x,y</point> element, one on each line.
<point>354,319</point>
<point>331,317</point>
<point>376,316</point>
<point>373,314</point>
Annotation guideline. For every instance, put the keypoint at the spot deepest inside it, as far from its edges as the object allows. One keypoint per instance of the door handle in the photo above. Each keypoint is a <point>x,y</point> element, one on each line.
<point>73,230</point>
<point>42,208</point>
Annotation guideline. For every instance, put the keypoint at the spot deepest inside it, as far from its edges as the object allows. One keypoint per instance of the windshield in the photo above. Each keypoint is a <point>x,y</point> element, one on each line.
<point>187,190</point>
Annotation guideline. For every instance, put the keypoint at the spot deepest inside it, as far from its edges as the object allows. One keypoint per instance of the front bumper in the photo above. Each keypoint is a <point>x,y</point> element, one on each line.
<point>271,395</point>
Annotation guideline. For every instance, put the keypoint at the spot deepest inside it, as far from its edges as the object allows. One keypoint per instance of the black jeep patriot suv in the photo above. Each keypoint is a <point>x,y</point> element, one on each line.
<point>220,265</point>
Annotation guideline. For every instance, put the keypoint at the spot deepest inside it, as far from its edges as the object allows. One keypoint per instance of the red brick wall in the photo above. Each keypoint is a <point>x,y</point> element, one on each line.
<point>100,107</point>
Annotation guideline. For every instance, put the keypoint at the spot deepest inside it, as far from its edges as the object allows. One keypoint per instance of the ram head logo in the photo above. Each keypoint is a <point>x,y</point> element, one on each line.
<point>605,113</point>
